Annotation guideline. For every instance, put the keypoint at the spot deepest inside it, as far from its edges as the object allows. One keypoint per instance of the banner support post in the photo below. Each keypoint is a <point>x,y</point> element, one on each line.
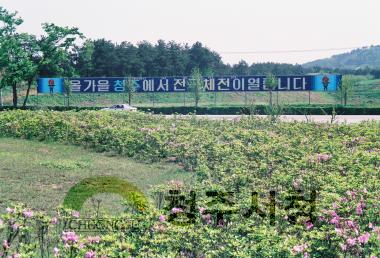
<point>1,98</point>
<point>277,96</point>
<point>309,97</point>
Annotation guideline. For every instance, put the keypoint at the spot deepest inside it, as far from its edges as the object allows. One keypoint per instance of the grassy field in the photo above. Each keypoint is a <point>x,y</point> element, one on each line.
<point>40,174</point>
<point>367,93</point>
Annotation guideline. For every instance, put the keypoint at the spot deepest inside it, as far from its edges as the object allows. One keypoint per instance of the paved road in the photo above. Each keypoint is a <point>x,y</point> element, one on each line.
<point>315,118</point>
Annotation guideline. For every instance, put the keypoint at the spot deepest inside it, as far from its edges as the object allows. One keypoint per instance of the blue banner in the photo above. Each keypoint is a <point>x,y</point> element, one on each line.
<point>50,85</point>
<point>181,84</point>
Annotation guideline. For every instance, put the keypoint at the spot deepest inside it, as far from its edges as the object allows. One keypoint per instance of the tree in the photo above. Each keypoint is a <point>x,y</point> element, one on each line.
<point>203,58</point>
<point>15,60</point>
<point>57,48</point>
<point>196,85</point>
<point>242,68</point>
<point>162,59</point>
<point>20,66</point>
<point>346,86</point>
<point>67,88</point>
<point>179,58</point>
<point>147,53</point>
<point>127,60</point>
<point>30,46</point>
<point>52,53</point>
<point>129,83</point>
<point>84,59</point>
<point>271,83</point>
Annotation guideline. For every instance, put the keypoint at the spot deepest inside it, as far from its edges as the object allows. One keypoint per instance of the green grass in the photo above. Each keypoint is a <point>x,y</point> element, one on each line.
<point>41,174</point>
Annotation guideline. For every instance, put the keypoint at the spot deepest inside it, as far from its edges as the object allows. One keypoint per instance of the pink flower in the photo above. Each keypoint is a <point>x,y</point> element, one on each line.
<point>335,220</point>
<point>95,239</point>
<point>343,247</point>
<point>323,157</point>
<point>359,209</point>
<point>15,226</point>
<point>75,214</point>
<point>299,248</point>
<point>53,221</point>
<point>207,218</point>
<point>69,237</point>
<point>81,246</point>
<point>350,223</point>
<point>351,194</point>
<point>176,183</point>
<point>162,218</point>
<point>364,238</point>
<point>56,251</point>
<point>9,210</point>
<point>305,255</point>
<point>297,183</point>
<point>339,231</point>
<point>5,244</point>
<point>351,241</point>
<point>221,223</point>
<point>201,210</point>
<point>309,225</point>
<point>28,213</point>
<point>176,210</point>
<point>90,254</point>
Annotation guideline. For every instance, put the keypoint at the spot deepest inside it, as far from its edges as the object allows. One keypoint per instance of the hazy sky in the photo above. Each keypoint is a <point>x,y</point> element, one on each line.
<point>223,25</point>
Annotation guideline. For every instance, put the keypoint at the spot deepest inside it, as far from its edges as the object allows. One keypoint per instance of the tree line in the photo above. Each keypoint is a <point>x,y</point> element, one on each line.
<point>102,57</point>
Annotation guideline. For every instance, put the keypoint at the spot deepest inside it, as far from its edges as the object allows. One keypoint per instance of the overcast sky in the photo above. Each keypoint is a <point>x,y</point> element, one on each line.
<point>223,25</point>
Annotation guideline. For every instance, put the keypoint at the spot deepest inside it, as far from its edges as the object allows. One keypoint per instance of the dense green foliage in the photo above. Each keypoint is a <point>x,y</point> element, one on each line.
<point>340,162</point>
<point>101,57</point>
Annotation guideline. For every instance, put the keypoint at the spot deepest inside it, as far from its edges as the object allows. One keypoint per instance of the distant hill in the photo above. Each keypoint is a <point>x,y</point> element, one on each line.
<point>358,58</point>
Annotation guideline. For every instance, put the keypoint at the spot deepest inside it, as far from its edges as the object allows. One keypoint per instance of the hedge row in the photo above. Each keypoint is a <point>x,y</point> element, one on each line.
<point>264,110</point>
<point>233,110</point>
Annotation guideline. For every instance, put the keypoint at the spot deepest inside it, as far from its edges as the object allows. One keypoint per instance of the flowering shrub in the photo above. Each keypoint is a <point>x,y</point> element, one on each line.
<point>340,162</point>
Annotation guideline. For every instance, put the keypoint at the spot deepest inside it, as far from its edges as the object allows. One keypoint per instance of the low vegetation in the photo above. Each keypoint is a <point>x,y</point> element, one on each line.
<point>231,162</point>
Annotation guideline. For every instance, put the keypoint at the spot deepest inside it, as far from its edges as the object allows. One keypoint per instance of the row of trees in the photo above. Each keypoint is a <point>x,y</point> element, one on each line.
<point>104,58</point>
